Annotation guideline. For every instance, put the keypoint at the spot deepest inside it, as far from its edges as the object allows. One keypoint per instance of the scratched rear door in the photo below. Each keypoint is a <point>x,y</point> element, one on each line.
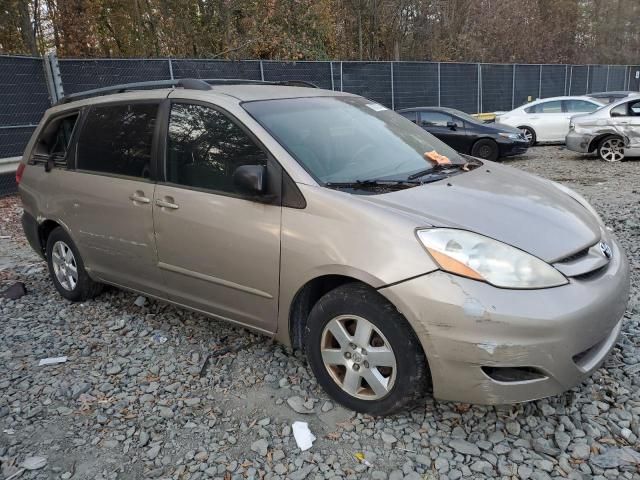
<point>108,195</point>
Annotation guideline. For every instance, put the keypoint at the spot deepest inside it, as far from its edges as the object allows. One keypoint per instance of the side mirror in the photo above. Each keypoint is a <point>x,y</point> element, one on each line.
<point>452,125</point>
<point>251,179</point>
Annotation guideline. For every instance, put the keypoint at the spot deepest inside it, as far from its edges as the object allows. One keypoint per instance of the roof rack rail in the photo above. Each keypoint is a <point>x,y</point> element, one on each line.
<point>187,83</point>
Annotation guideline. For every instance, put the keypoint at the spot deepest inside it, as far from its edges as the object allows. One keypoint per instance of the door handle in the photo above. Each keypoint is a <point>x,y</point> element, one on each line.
<point>166,204</point>
<point>139,197</point>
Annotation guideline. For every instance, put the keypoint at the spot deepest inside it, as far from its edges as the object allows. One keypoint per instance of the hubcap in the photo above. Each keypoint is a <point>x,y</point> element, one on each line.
<point>528,136</point>
<point>358,357</point>
<point>612,150</point>
<point>64,265</point>
<point>485,151</point>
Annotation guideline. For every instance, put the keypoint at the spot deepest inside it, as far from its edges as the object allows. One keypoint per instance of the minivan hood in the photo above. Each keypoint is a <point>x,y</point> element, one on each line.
<point>503,203</point>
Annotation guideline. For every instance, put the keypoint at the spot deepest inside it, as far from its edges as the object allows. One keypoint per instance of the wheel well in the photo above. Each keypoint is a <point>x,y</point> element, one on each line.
<point>304,301</point>
<point>596,141</point>
<point>44,230</point>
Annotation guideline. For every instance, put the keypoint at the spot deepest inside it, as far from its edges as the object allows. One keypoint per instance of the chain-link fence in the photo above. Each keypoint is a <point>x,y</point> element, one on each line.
<point>29,85</point>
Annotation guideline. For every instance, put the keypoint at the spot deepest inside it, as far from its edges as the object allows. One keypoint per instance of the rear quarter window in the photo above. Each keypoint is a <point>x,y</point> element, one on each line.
<point>54,140</point>
<point>117,139</point>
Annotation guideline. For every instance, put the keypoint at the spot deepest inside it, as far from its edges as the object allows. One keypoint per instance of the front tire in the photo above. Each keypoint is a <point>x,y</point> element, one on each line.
<point>363,351</point>
<point>486,149</point>
<point>611,149</point>
<point>67,269</point>
<point>529,135</point>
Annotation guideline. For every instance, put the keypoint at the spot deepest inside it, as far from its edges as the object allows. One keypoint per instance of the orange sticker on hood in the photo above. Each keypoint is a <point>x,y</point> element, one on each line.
<point>437,158</point>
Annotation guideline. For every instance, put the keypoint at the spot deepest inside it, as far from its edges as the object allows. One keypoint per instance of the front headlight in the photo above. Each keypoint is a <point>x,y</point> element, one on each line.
<point>482,258</point>
<point>512,136</point>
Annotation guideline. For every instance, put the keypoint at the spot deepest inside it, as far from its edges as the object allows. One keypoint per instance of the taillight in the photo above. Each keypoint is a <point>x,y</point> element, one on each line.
<point>20,171</point>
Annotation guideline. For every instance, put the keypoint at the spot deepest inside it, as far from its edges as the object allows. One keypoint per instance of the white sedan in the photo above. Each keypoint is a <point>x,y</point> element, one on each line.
<point>547,120</point>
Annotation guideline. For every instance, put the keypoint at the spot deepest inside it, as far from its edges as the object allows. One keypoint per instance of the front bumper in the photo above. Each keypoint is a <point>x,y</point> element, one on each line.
<point>467,328</point>
<point>578,142</point>
<point>509,149</point>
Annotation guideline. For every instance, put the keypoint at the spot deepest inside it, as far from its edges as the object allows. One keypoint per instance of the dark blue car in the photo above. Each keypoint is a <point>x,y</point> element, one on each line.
<point>467,134</point>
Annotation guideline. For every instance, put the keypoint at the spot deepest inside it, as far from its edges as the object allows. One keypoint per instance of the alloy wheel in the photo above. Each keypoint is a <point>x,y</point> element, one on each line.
<point>64,265</point>
<point>528,134</point>
<point>358,357</point>
<point>612,150</point>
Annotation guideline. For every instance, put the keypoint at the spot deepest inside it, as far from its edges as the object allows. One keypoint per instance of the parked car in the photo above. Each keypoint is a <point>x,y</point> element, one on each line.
<point>613,131</point>
<point>467,134</point>
<point>610,97</point>
<point>547,120</point>
<point>334,225</point>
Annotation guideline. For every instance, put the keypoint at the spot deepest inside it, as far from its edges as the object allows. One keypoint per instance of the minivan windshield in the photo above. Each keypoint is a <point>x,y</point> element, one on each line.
<point>350,139</point>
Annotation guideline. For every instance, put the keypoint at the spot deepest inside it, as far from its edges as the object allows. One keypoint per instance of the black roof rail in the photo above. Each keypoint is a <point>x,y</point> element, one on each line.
<point>188,83</point>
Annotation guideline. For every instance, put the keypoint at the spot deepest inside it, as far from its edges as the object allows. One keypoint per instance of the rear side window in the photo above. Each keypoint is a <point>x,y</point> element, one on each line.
<point>554,106</point>
<point>572,106</point>
<point>116,139</point>
<point>413,116</point>
<point>55,138</point>
<point>205,147</point>
<point>434,119</point>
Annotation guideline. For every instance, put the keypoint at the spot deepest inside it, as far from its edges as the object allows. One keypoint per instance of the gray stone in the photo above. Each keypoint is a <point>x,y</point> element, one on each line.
<point>153,452</point>
<point>513,428</point>
<point>464,447</point>
<point>298,405</point>
<point>581,451</point>
<point>260,446</point>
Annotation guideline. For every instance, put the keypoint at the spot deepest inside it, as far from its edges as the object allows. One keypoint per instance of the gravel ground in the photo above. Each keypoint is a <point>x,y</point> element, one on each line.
<point>128,404</point>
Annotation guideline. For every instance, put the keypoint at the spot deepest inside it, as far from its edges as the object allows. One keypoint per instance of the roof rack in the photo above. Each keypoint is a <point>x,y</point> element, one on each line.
<point>187,83</point>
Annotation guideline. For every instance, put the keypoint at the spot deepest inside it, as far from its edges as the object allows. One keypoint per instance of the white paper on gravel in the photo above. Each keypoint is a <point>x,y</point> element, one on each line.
<point>302,434</point>
<point>52,361</point>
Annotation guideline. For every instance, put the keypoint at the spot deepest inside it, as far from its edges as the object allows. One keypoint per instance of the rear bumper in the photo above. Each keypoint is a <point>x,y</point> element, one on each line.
<point>470,330</point>
<point>578,142</point>
<point>30,227</point>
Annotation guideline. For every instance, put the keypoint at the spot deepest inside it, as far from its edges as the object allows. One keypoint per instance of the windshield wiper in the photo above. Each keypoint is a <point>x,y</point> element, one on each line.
<point>372,183</point>
<point>439,167</point>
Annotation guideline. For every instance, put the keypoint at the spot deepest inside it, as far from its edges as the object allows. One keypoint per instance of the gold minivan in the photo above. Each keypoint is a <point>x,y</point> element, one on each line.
<point>333,224</point>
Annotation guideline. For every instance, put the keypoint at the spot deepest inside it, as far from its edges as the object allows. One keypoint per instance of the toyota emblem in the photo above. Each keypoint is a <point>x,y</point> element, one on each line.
<point>606,249</point>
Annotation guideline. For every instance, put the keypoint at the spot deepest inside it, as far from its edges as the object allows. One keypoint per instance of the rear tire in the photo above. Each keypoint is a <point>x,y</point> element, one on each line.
<point>67,269</point>
<point>611,149</point>
<point>486,149</point>
<point>364,353</point>
<point>529,135</point>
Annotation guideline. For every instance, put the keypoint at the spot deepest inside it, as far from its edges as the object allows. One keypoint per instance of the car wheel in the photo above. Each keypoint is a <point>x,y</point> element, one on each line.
<point>611,149</point>
<point>529,135</point>
<point>363,351</point>
<point>67,270</point>
<point>486,149</point>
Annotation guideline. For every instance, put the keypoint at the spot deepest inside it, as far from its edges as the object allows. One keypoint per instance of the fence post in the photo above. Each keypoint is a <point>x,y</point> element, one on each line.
<point>513,88</point>
<point>170,69</point>
<point>333,87</point>
<point>606,85</point>
<point>439,101</point>
<point>566,69</point>
<point>54,79</point>
<point>570,78</point>
<point>341,76</point>
<point>540,83</point>
<point>588,70</point>
<point>479,99</point>
<point>393,100</point>
<point>261,71</point>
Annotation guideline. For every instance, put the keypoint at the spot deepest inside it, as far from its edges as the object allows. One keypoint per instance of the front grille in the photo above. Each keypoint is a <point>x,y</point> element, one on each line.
<point>576,256</point>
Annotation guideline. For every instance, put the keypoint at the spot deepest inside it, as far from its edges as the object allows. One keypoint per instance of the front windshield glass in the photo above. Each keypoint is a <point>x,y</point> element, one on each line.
<point>349,139</point>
